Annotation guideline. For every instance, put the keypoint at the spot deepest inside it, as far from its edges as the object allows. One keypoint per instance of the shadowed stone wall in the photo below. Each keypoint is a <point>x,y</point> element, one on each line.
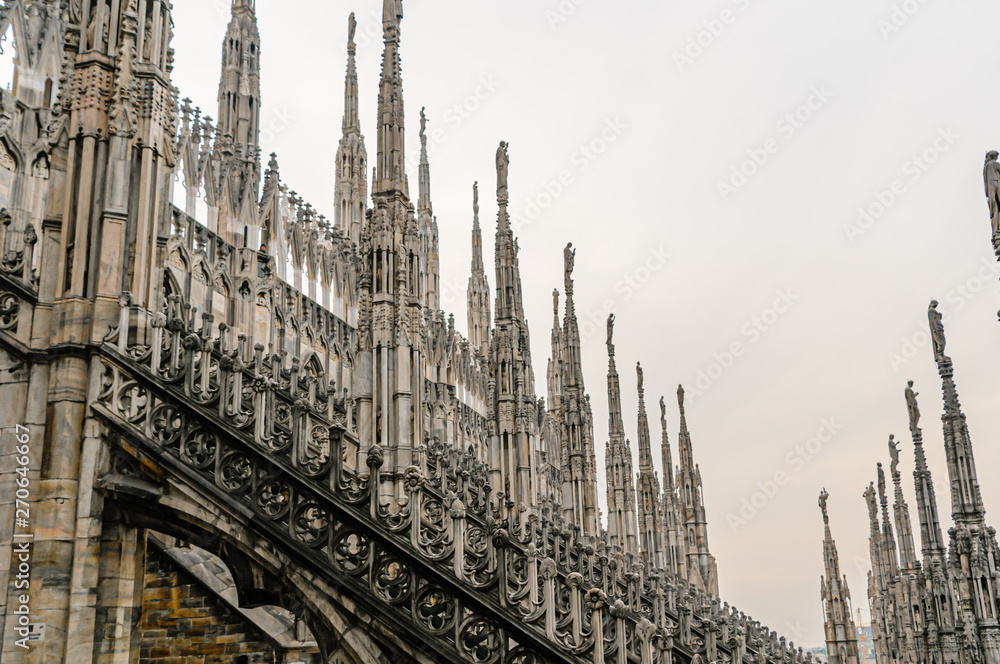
<point>183,623</point>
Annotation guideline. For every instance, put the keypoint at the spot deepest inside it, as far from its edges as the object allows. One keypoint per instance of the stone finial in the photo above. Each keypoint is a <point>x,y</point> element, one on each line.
<point>823,497</point>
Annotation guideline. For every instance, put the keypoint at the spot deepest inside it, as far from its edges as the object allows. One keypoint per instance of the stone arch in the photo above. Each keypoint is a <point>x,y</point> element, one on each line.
<point>263,575</point>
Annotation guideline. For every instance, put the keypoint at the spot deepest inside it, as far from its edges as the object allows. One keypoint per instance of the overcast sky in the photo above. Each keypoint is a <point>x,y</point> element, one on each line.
<point>644,110</point>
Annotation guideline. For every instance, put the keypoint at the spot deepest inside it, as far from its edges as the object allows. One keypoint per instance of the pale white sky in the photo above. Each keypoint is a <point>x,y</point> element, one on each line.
<point>644,109</point>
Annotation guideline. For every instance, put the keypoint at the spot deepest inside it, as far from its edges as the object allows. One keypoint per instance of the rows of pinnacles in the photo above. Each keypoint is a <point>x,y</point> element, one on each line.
<point>198,352</point>
<point>944,607</point>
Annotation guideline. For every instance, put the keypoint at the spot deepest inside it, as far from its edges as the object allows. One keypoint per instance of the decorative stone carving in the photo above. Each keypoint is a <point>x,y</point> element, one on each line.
<point>912,408</point>
<point>937,332</point>
<point>503,162</point>
<point>991,180</point>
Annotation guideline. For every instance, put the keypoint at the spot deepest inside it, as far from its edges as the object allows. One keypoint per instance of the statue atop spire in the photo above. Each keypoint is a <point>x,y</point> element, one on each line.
<point>912,408</point>
<point>569,259</point>
<point>991,180</point>
<point>869,495</point>
<point>611,334</point>
<point>937,333</point>
<point>823,496</point>
<point>392,14</point>
<point>503,161</point>
<point>894,456</point>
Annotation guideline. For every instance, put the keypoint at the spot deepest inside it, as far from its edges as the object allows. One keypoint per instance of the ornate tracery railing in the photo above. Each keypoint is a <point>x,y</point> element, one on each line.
<point>449,561</point>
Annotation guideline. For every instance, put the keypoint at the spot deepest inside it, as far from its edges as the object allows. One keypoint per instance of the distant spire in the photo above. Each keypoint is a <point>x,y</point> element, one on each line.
<point>875,539</point>
<point>351,120</point>
<point>667,457</point>
<point>616,426</point>
<point>701,567</point>
<point>554,370</point>
<point>966,502</point>
<point>888,538</point>
<point>645,451</point>
<point>424,199</point>
<point>508,272</point>
<point>477,254</point>
<point>904,528</point>
<point>622,521</point>
<point>648,489</point>
<point>351,185</point>
<point>577,415</point>
<point>684,437</point>
<point>838,623</point>
<point>931,539</point>
<point>239,84</point>
<point>479,288</point>
<point>391,161</point>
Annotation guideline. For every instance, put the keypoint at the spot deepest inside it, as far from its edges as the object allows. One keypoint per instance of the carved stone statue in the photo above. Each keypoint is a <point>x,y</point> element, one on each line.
<point>611,330</point>
<point>638,375</point>
<point>569,259</point>
<point>937,331</point>
<point>503,161</point>
<point>352,26</point>
<point>475,197</point>
<point>823,496</point>
<point>423,122</point>
<point>991,181</point>
<point>392,12</point>
<point>663,413</point>
<point>555,301</point>
<point>911,406</point>
<point>40,169</point>
<point>869,495</point>
<point>894,455</point>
